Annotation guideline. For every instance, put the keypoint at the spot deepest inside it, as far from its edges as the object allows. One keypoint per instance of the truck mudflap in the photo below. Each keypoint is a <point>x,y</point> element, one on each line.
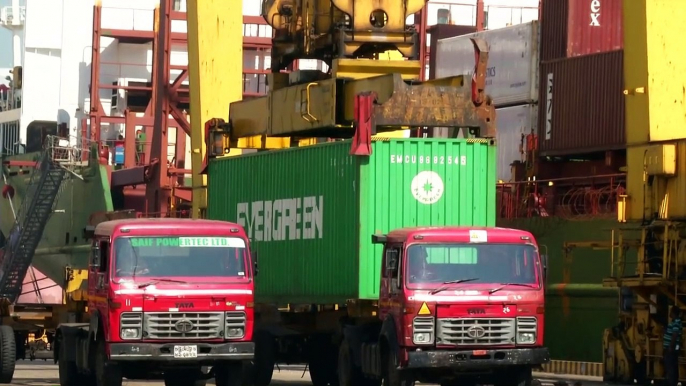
<point>165,351</point>
<point>475,359</point>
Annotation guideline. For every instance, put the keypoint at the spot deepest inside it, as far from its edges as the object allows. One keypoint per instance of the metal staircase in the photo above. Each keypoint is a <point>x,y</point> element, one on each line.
<point>36,208</point>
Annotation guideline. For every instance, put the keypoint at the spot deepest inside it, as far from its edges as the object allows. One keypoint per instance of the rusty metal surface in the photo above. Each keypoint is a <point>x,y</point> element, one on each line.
<point>326,108</point>
<point>435,104</point>
<point>594,27</point>
<point>138,175</point>
<point>585,112</point>
<point>439,103</point>
<point>553,29</point>
<point>442,31</point>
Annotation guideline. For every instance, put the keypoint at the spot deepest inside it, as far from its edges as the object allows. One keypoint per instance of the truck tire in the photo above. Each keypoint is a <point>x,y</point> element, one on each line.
<point>106,372</point>
<point>322,361</point>
<point>395,377</point>
<point>8,354</point>
<point>186,378</point>
<point>68,374</point>
<point>228,374</point>
<point>348,373</point>
<point>265,359</point>
<point>518,377</point>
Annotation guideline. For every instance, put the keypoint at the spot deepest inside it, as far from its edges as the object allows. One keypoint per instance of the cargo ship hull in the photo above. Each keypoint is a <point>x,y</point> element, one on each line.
<point>578,307</point>
<point>82,200</point>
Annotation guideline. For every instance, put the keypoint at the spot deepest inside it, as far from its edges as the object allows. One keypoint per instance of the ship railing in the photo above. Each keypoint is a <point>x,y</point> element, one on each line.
<point>570,198</point>
<point>142,151</point>
<point>71,153</point>
<point>176,213</point>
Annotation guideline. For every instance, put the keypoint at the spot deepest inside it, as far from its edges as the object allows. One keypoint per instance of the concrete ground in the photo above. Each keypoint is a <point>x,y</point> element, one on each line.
<point>44,373</point>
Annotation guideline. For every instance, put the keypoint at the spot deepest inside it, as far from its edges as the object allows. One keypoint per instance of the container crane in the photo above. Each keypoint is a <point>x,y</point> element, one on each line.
<point>359,96</point>
<point>653,210</point>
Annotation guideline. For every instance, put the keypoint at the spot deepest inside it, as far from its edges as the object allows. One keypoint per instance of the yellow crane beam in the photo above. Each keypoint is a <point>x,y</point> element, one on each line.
<point>655,80</point>
<point>215,68</point>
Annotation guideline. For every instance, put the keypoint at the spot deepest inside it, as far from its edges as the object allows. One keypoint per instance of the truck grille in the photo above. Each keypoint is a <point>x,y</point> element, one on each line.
<point>184,325</point>
<point>459,332</point>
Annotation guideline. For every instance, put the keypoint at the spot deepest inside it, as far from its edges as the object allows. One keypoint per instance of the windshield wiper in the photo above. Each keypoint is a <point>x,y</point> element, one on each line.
<point>446,284</point>
<point>494,290</point>
<point>155,281</point>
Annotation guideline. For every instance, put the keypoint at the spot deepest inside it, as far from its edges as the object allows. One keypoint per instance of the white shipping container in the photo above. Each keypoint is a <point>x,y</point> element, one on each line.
<point>513,122</point>
<point>512,76</point>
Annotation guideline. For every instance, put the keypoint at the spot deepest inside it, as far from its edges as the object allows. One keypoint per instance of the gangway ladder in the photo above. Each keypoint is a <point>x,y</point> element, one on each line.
<point>36,208</point>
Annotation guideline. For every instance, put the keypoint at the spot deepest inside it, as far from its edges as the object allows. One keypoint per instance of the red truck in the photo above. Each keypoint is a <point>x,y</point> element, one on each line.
<point>457,306</point>
<point>166,299</point>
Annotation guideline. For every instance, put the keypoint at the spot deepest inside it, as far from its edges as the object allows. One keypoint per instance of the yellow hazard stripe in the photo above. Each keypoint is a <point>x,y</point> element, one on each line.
<point>591,369</point>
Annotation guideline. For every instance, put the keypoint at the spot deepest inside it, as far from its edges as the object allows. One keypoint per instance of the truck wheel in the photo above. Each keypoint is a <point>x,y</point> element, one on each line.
<point>265,359</point>
<point>348,373</point>
<point>520,377</point>
<point>68,374</point>
<point>228,374</point>
<point>322,361</point>
<point>8,354</point>
<point>107,373</point>
<point>186,378</point>
<point>394,376</point>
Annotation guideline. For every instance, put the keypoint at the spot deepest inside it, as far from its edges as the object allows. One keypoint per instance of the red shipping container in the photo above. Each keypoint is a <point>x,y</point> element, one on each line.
<point>553,26</point>
<point>581,105</point>
<point>594,26</point>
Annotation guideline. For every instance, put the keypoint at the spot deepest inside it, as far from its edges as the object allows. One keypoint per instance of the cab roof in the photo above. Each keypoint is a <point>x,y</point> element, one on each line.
<point>108,228</point>
<point>456,232</point>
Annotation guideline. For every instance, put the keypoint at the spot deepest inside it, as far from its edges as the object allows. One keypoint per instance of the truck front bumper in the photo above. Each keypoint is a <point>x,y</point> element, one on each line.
<point>165,351</point>
<point>472,360</point>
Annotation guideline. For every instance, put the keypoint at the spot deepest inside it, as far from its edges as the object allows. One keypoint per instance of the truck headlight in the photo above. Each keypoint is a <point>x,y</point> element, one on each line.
<point>130,325</point>
<point>526,338</point>
<point>421,338</point>
<point>423,330</point>
<point>130,333</point>
<point>235,332</point>
<point>526,329</point>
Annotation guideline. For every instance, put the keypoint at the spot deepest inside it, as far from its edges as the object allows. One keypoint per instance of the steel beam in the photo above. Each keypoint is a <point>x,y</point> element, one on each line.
<point>214,74</point>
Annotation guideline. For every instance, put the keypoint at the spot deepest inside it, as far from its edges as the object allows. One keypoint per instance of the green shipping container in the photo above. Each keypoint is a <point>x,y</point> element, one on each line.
<point>310,211</point>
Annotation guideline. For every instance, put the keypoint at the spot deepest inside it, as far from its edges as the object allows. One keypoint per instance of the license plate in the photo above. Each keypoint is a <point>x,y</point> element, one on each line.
<point>185,351</point>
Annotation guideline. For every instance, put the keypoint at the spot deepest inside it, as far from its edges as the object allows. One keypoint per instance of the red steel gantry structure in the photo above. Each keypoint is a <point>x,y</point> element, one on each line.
<point>148,182</point>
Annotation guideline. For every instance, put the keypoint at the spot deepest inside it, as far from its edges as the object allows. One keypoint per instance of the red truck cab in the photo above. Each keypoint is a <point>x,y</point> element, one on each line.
<point>466,305</point>
<point>167,298</point>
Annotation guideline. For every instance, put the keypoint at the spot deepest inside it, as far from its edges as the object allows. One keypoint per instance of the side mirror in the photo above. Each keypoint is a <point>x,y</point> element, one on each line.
<point>254,261</point>
<point>392,263</point>
<point>95,256</point>
<point>544,264</point>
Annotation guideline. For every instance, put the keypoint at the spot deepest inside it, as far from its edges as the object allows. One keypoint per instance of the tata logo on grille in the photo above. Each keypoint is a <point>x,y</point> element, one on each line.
<point>476,332</point>
<point>184,326</point>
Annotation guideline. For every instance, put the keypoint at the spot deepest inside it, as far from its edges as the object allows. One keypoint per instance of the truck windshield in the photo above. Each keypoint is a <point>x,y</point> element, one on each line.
<point>437,264</point>
<point>206,259</point>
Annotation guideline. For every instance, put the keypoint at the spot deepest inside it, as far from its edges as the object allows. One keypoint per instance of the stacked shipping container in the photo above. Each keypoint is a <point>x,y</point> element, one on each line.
<point>581,117</point>
<point>582,107</point>
<point>512,82</point>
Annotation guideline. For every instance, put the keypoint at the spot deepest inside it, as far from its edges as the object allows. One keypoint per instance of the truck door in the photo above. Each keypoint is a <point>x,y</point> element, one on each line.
<point>98,277</point>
